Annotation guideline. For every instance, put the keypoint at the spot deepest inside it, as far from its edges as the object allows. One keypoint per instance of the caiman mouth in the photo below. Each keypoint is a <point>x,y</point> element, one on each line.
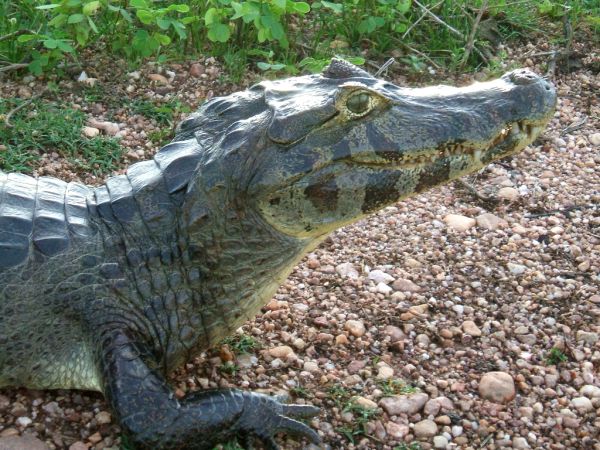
<point>510,137</point>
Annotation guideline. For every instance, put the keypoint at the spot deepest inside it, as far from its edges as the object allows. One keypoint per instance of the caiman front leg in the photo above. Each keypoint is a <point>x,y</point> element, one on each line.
<point>154,419</point>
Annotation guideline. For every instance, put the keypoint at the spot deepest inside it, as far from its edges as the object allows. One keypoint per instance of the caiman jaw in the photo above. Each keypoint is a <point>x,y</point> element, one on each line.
<point>521,133</point>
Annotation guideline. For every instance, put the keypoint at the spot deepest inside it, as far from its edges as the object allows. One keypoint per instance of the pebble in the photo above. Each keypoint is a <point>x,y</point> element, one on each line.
<point>520,443</point>
<point>582,404</point>
<point>365,402</point>
<point>440,442</point>
<point>158,78</point>
<point>405,285</point>
<point>90,132</point>
<point>516,269</point>
<point>103,418</point>
<point>355,328</point>
<point>379,276</point>
<point>346,270</point>
<point>384,289</point>
<point>590,391</point>
<point>25,442</point>
<point>470,328</point>
<point>385,373</point>
<point>425,429</point>
<point>396,430</point>
<point>498,387</point>
<point>404,404</point>
<point>508,193</point>
<point>489,221</point>
<point>283,351</point>
<point>595,139</point>
<point>458,222</point>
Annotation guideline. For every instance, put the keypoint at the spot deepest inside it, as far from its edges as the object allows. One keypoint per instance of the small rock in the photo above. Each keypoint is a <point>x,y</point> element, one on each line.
<point>341,339</point>
<point>196,70</point>
<point>404,404</point>
<point>396,430</point>
<point>590,391</point>
<point>595,138</point>
<point>356,366</point>
<point>158,78</point>
<point>404,285</point>
<point>23,421</point>
<point>355,328</point>
<point>379,276</point>
<point>588,337</point>
<point>311,366</point>
<point>508,193</point>
<point>346,270</point>
<point>79,446</point>
<point>246,361</point>
<point>103,417</point>
<point>385,373</point>
<point>90,132</point>
<point>498,387</point>
<point>440,442</point>
<point>395,333</point>
<point>520,443</point>
<point>283,351</point>
<point>458,222</point>
<point>516,269</point>
<point>365,402</point>
<point>489,221</point>
<point>470,328</point>
<point>425,429</point>
<point>25,442</point>
<point>582,404</point>
<point>384,289</point>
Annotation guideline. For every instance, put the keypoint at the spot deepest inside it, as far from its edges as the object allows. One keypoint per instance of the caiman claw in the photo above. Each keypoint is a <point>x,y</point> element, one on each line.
<point>265,416</point>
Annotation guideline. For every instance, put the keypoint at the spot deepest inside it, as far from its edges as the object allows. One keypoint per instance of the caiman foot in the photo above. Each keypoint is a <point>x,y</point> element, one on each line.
<point>265,416</point>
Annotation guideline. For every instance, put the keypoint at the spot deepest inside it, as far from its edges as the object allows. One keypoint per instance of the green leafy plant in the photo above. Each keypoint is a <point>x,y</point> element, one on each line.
<point>411,446</point>
<point>556,356</point>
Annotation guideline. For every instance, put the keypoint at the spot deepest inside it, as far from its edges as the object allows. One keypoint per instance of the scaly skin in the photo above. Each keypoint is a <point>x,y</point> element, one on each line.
<point>110,288</point>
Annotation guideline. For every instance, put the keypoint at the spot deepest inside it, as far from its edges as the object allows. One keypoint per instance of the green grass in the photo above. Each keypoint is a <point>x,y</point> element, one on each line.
<point>411,446</point>
<point>391,387</point>
<point>362,415</point>
<point>162,113</point>
<point>241,343</point>
<point>555,356</point>
<point>44,128</point>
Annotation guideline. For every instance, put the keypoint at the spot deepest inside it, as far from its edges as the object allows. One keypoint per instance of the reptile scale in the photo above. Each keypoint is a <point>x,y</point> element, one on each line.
<point>110,288</point>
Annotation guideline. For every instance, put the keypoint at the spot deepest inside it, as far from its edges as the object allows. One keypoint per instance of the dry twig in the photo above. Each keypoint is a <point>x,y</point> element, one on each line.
<point>21,106</point>
<point>415,23</point>
<point>438,20</point>
<point>15,66</point>
<point>473,33</point>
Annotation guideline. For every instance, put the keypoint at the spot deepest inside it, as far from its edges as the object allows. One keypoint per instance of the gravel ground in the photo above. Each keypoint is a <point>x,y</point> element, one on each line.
<point>444,320</point>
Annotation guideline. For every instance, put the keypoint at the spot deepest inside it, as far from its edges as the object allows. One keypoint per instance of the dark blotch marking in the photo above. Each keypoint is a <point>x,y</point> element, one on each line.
<point>381,190</point>
<point>434,174</point>
<point>324,195</point>
<point>382,145</point>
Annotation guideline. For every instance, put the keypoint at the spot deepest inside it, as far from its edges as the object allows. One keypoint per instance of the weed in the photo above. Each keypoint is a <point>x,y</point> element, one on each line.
<point>555,356</point>
<point>362,415</point>
<point>229,368</point>
<point>391,387</point>
<point>43,128</point>
<point>300,391</point>
<point>339,394</point>
<point>241,343</point>
<point>163,113</point>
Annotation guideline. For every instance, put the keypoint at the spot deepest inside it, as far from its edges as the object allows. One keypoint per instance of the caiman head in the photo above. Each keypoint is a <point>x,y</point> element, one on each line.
<point>313,153</point>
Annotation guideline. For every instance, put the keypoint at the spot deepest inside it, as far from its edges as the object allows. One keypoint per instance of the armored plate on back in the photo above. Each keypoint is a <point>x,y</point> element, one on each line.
<point>110,288</point>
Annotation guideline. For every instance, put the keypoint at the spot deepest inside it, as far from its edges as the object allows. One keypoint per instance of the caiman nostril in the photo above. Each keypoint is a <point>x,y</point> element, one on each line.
<point>523,76</point>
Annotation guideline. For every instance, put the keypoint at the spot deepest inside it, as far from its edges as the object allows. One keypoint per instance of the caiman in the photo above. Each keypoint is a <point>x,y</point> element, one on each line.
<point>110,288</point>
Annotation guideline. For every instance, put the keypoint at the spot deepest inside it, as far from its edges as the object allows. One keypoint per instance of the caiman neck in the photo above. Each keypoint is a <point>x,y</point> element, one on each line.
<point>242,258</point>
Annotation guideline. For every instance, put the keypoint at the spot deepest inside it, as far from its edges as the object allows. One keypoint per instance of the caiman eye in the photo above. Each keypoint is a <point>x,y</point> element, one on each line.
<point>359,103</point>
